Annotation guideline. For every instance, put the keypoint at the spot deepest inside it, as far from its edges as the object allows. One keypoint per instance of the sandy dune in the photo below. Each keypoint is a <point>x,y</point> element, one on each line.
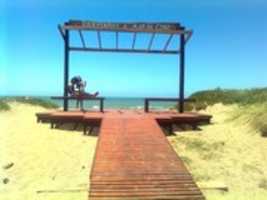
<point>44,158</point>
<point>229,152</point>
<point>57,162</point>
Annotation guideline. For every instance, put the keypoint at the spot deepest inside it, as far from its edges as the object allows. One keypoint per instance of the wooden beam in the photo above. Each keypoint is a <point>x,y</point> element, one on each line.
<point>124,50</point>
<point>61,31</point>
<point>163,99</point>
<point>66,69</point>
<point>151,40</point>
<point>147,100</point>
<point>99,39</point>
<point>167,43</point>
<point>158,27</point>
<point>182,73</point>
<point>82,38</point>
<point>75,98</point>
<point>188,36</point>
<point>134,39</point>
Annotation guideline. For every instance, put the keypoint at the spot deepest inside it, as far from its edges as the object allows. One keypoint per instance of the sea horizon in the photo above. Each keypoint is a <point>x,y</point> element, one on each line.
<point>109,103</point>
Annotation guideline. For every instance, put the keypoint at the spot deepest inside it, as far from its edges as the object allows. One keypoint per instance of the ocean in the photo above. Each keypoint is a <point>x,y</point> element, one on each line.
<point>118,103</point>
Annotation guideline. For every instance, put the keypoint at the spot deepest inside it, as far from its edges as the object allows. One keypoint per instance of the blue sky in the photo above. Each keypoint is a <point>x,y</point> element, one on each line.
<point>228,48</point>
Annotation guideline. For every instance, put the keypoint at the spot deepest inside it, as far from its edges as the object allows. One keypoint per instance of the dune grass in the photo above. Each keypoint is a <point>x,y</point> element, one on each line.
<point>252,104</point>
<point>227,96</point>
<point>230,152</point>
<point>255,114</point>
<point>4,103</point>
<point>4,106</point>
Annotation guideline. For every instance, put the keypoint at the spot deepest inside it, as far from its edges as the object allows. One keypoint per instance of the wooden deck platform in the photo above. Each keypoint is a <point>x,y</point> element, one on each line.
<point>133,159</point>
<point>165,119</point>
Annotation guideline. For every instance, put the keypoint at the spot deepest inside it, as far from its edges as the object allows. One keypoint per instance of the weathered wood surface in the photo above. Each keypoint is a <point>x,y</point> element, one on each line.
<point>134,160</point>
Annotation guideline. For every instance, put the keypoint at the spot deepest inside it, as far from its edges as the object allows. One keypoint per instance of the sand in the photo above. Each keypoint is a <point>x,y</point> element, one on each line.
<point>228,153</point>
<point>43,159</point>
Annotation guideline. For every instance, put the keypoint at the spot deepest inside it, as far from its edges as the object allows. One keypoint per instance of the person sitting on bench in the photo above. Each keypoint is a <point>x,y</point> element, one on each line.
<point>77,89</point>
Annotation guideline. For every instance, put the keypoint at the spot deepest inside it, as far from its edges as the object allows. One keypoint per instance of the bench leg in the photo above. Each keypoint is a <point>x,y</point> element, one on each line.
<point>194,126</point>
<point>84,128</point>
<point>146,106</point>
<point>91,130</point>
<point>75,126</point>
<point>170,129</point>
<point>101,106</point>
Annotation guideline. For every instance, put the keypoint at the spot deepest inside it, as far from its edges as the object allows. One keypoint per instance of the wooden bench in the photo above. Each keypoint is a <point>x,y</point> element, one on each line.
<point>100,99</point>
<point>147,100</point>
<point>43,117</point>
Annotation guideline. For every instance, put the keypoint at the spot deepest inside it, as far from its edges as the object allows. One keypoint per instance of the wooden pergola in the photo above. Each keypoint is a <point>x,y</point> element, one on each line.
<point>152,29</point>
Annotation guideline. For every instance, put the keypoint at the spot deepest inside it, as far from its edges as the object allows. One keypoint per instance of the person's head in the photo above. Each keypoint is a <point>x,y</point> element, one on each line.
<point>76,80</point>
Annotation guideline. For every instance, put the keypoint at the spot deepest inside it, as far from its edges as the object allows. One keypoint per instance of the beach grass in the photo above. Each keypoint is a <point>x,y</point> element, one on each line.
<point>230,152</point>
<point>28,100</point>
<point>4,106</point>
<point>228,96</point>
<point>206,98</point>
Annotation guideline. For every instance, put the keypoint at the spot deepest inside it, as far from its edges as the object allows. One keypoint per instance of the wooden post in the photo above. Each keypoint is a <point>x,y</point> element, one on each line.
<point>66,69</point>
<point>101,105</point>
<point>146,105</point>
<point>182,73</point>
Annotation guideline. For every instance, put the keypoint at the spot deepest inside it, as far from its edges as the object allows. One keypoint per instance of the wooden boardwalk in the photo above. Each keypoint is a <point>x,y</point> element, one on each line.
<point>134,160</point>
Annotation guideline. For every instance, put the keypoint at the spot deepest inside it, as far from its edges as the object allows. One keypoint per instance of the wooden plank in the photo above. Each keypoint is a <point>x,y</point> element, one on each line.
<point>157,27</point>
<point>124,167</point>
<point>74,98</point>
<point>168,99</point>
<point>147,100</point>
<point>124,50</point>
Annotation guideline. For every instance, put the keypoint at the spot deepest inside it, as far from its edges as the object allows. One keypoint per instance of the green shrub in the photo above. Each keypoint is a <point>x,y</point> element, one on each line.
<point>33,101</point>
<point>200,106</point>
<point>226,96</point>
<point>188,106</point>
<point>4,106</point>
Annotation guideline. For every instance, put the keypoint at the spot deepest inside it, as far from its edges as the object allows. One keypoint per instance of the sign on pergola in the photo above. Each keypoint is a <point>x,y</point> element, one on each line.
<point>151,29</point>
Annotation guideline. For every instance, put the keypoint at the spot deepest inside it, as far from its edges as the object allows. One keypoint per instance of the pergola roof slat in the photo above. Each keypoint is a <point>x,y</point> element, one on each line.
<point>167,43</point>
<point>151,41</point>
<point>117,39</point>
<point>134,39</point>
<point>82,38</point>
<point>99,39</point>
